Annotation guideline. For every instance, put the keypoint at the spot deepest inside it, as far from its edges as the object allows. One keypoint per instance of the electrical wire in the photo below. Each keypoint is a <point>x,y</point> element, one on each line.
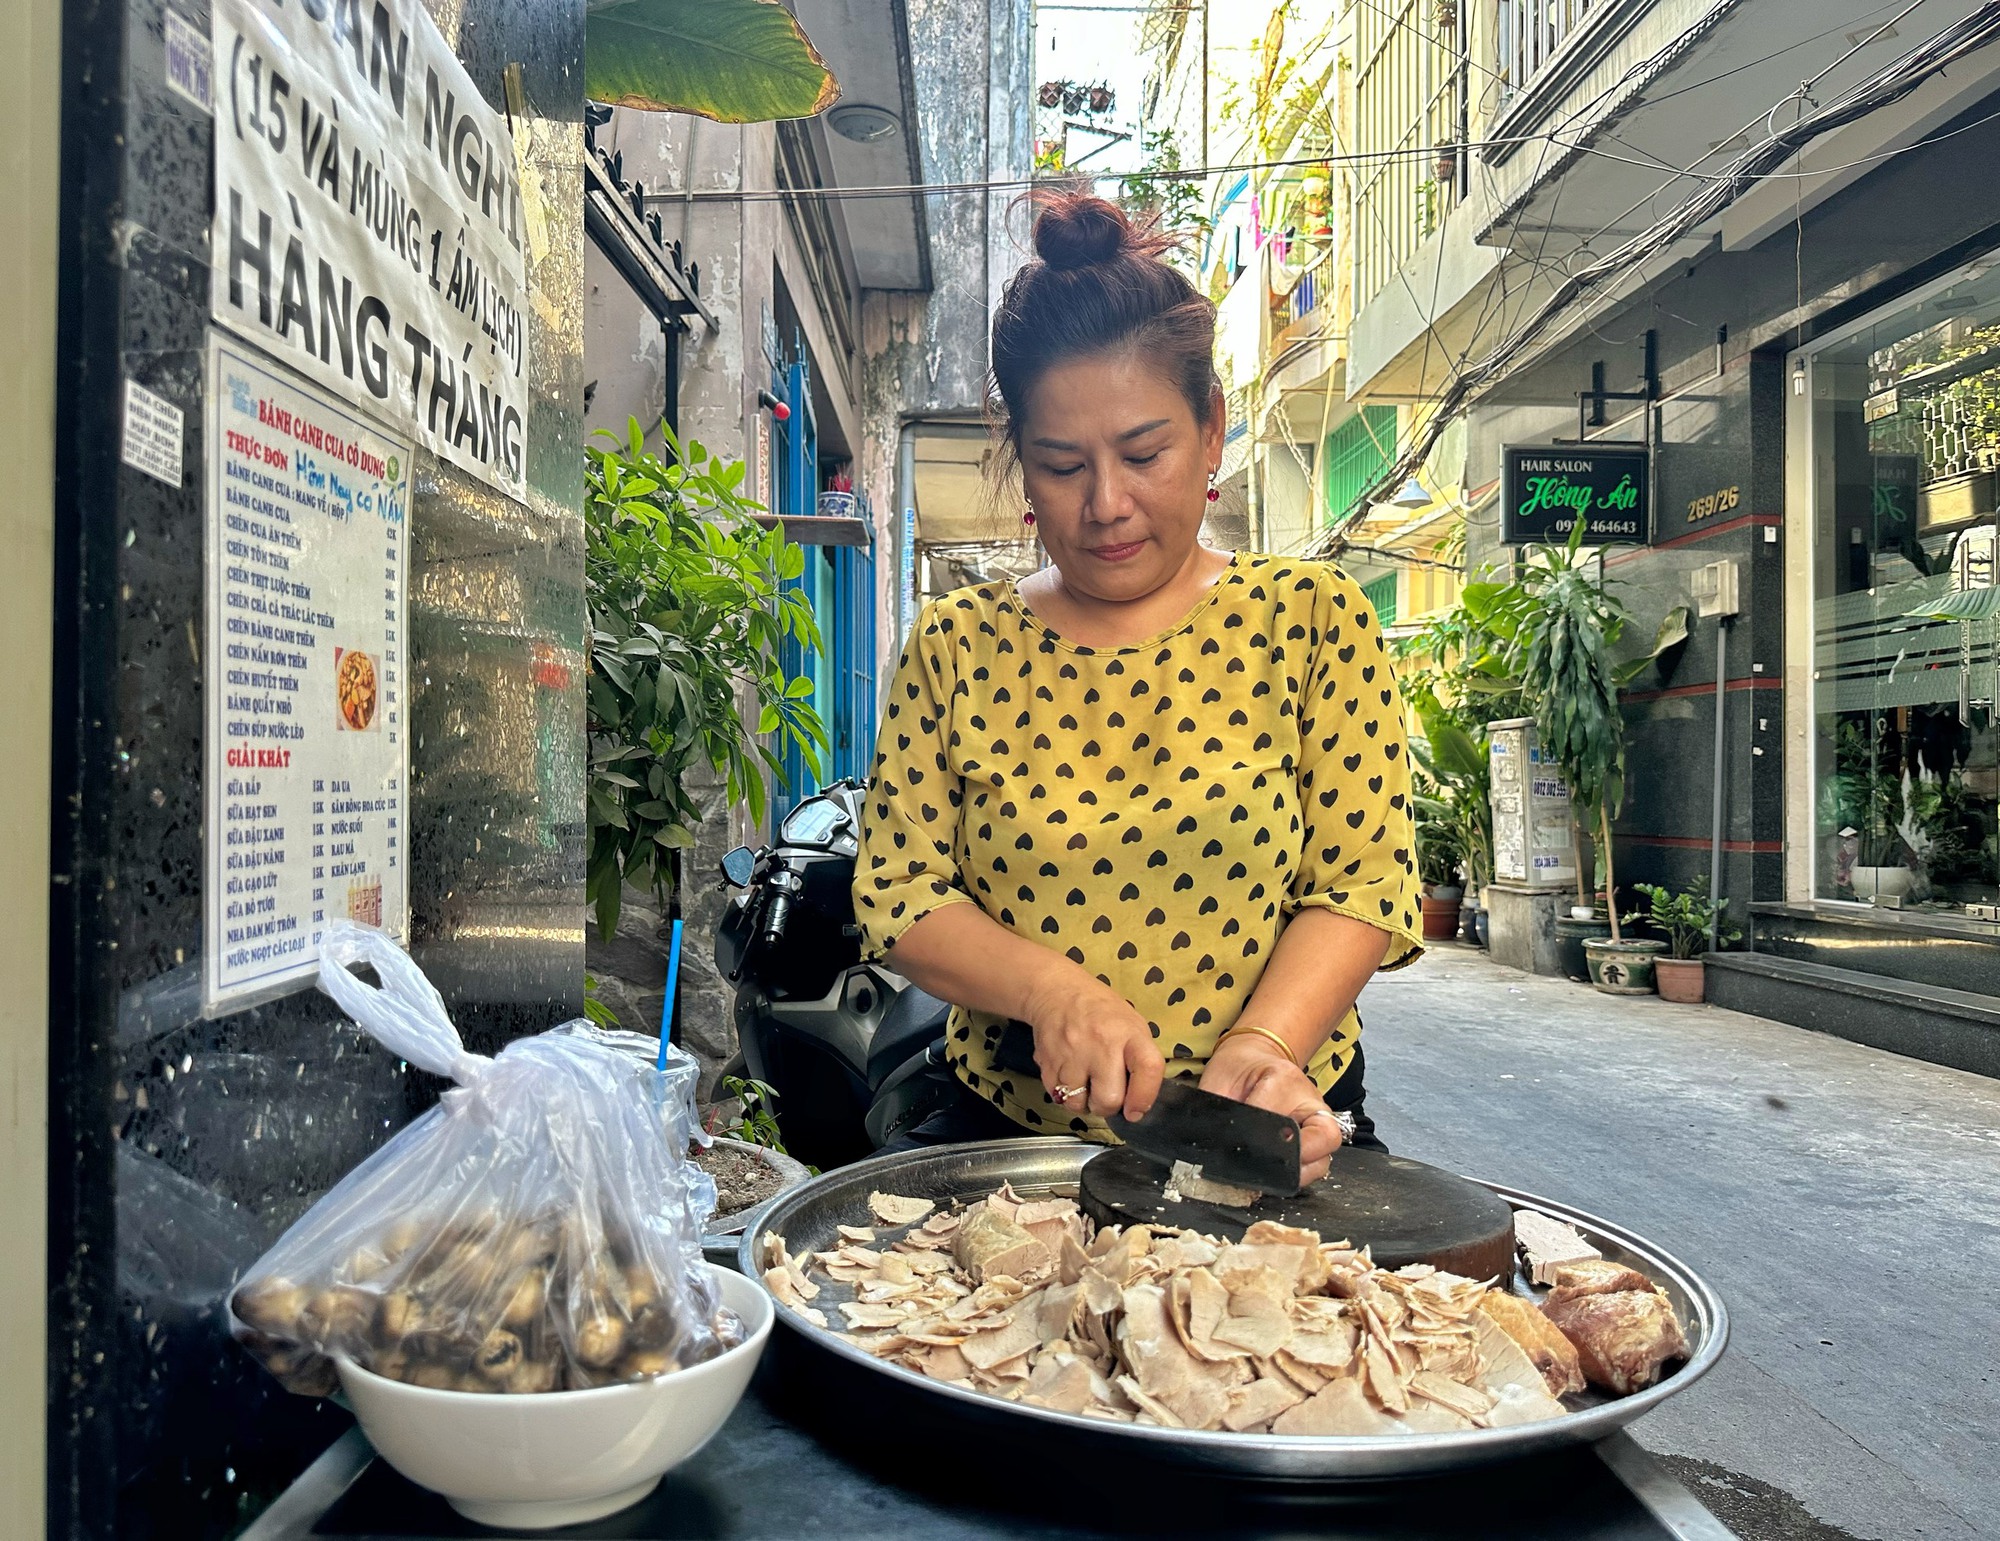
<point>1757,163</point>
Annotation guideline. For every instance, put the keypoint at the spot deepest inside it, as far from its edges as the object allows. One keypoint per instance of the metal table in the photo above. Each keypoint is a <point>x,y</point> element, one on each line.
<point>780,1470</point>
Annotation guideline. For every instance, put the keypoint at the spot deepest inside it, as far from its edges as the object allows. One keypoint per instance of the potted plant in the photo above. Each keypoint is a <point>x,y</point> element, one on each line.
<point>1438,856</point>
<point>1558,623</point>
<point>688,611</point>
<point>1684,919</point>
<point>1861,811</point>
<point>1451,752</point>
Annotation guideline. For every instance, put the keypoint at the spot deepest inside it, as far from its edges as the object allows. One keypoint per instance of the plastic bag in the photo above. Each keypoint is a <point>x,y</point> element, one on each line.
<point>538,1230</point>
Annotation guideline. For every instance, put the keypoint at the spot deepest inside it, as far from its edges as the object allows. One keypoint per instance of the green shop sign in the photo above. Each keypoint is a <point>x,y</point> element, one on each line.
<point>1548,488</point>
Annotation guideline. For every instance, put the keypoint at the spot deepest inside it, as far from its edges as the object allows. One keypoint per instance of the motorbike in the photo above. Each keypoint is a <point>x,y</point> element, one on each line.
<point>852,1050</point>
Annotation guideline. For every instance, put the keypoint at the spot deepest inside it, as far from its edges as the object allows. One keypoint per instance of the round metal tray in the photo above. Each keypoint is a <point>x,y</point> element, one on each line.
<point>806,1218</point>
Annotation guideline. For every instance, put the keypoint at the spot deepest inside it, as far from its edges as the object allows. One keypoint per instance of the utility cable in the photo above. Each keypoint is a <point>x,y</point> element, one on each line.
<point>1887,85</point>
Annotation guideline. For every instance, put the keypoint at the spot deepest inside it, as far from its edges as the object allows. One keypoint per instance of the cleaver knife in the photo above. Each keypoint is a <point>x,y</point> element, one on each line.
<point>1230,1141</point>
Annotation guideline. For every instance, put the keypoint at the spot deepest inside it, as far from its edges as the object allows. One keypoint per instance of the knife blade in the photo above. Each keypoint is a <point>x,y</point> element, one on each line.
<point>1230,1141</point>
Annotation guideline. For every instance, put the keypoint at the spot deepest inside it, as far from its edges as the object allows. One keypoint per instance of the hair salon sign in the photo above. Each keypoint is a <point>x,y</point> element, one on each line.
<point>369,228</point>
<point>1549,488</point>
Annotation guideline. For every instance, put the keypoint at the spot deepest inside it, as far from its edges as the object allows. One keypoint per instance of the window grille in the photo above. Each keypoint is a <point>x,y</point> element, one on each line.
<point>1381,593</point>
<point>1410,118</point>
<point>1357,453</point>
<point>1530,33</point>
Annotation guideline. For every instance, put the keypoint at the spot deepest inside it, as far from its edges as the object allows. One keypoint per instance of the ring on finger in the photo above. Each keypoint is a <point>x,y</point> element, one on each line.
<point>1063,1093</point>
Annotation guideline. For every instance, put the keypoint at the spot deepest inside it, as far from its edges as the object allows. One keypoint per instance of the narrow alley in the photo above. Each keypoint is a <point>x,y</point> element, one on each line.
<point>1827,1189</point>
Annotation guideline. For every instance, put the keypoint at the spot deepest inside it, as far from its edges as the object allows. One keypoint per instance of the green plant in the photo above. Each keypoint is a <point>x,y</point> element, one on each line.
<point>736,61</point>
<point>1440,840</point>
<point>1947,825</point>
<point>756,1123</point>
<point>1686,916</point>
<point>1158,188</point>
<point>595,1008</point>
<point>688,616</point>
<point>1556,628</point>
<point>1446,672</point>
<point>1864,794</point>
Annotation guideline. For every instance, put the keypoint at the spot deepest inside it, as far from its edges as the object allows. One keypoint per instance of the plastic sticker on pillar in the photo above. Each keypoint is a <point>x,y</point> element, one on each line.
<point>369,229</point>
<point>1532,842</point>
<point>151,441</point>
<point>188,60</point>
<point>306,756</point>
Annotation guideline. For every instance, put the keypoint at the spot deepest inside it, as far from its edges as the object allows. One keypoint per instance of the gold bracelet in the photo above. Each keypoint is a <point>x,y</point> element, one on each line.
<point>1291,1053</point>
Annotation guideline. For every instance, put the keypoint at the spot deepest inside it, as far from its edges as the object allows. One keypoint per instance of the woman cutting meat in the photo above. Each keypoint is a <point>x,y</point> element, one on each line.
<point>1150,805</point>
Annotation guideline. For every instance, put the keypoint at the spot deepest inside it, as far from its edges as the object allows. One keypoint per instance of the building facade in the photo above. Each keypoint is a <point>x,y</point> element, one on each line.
<point>1753,247</point>
<point>793,296</point>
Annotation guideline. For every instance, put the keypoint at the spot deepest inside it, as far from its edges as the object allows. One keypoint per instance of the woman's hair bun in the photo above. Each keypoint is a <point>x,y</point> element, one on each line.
<point>1076,230</point>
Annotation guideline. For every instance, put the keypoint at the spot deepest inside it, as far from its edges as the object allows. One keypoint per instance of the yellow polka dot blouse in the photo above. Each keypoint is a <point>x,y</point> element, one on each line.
<point>1153,812</point>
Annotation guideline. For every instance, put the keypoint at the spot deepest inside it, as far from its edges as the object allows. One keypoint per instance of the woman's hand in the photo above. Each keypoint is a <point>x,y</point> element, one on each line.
<point>1088,1036</point>
<point>1247,1067</point>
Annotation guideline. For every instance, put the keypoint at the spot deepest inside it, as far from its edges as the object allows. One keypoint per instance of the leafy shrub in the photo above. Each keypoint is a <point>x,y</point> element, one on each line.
<point>688,616</point>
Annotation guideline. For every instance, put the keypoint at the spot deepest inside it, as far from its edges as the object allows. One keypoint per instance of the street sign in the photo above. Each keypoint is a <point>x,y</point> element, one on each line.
<point>1548,487</point>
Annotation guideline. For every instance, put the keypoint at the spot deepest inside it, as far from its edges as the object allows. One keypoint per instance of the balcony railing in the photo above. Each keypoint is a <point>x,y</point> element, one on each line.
<point>1532,31</point>
<point>1410,114</point>
<point>1311,288</point>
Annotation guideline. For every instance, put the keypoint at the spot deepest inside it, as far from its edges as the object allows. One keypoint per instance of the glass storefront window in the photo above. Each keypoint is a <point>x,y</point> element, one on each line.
<point>1905,430</point>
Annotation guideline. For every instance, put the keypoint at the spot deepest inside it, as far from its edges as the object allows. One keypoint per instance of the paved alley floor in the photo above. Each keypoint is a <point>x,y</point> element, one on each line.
<point>1845,1202</point>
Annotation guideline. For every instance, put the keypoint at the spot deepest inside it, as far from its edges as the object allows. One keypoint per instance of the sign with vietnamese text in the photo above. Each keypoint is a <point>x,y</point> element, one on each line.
<point>305,758</point>
<point>368,221</point>
<point>1549,488</point>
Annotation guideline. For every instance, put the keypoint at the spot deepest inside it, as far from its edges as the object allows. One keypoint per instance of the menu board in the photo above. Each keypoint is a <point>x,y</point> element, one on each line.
<point>306,756</point>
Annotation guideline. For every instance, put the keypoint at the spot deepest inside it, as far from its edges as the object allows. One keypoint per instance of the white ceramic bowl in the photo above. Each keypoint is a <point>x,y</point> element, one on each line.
<point>562,1457</point>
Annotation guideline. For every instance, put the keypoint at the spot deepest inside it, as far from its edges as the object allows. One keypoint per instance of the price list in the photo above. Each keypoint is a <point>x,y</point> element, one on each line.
<point>306,757</point>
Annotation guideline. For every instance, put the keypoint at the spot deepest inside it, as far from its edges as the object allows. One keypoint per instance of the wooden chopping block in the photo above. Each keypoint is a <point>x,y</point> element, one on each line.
<point>1401,1210</point>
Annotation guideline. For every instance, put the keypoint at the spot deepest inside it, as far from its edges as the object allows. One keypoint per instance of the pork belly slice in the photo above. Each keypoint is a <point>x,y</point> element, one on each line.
<point>1384,1375</point>
<point>1161,1363</point>
<point>1547,1349</point>
<point>1257,1403</point>
<point>895,1209</point>
<point>1061,1383</point>
<point>1339,1407</point>
<point>944,1361</point>
<point>1261,1336</point>
<point>1434,1418</point>
<point>1468,1402</point>
<point>1200,1307</point>
<point>1511,1377</point>
<point>1021,1332</point>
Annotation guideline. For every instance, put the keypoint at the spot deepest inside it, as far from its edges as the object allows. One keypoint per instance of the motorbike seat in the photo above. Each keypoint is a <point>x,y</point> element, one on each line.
<point>909,1026</point>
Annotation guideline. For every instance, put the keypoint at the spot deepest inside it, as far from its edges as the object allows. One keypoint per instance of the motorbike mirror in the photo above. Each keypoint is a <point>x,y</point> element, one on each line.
<point>737,867</point>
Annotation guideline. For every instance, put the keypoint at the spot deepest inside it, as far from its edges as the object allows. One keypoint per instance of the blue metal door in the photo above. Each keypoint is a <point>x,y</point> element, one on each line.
<point>795,493</point>
<point>851,730</point>
<point>839,582</point>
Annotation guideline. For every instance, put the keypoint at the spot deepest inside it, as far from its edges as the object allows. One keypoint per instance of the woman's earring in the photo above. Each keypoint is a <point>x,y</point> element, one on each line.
<point>1213,495</point>
<point>1028,517</point>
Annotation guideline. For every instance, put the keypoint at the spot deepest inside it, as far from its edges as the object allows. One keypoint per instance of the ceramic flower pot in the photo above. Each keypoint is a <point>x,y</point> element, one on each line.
<point>1571,937</point>
<point>1623,968</point>
<point>1888,882</point>
<point>1440,919</point>
<point>1681,979</point>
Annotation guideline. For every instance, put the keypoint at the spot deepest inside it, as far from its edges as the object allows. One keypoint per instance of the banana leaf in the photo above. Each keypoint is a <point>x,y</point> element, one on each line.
<point>1673,630</point>
<point>1453,750</point>
<point>1965,605</point>
<point>736,61</point>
